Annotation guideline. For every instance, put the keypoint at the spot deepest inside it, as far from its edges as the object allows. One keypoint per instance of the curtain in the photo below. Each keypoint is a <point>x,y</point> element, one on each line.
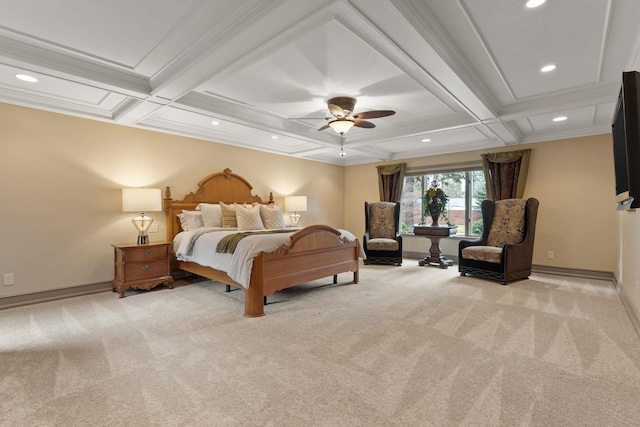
<point>390,180</point>
<point>505,174</point>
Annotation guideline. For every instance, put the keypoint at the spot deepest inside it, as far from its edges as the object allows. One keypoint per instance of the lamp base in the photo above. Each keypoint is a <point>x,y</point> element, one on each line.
<point>295,218</point>
<point>142,224</point>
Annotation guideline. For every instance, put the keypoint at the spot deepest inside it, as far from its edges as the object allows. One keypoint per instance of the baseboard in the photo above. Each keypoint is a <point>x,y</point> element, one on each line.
<point>56,294</point>
<point>626,301</point>
<point>574,272</point>
<point>589,274</point>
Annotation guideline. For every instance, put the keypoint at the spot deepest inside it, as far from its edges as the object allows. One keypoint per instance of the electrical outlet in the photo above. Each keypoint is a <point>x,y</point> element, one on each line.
<point>153,228</point>
<point>8,279</point>
<point>550,254</point>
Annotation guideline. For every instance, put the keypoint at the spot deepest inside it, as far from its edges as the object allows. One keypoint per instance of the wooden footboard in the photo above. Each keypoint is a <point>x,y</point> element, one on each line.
<point>314,252</point>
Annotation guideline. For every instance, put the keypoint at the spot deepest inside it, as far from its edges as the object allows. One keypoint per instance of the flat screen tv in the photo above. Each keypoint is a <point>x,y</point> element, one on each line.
<point>626,142</point>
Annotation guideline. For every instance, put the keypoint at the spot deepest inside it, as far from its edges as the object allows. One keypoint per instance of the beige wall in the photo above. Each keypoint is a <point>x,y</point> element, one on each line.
<point>627,268</point>
<point>61,179</point>
<point>572,178</point>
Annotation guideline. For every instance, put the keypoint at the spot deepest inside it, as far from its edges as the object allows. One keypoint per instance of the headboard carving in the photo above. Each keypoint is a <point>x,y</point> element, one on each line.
<point>224,186</point>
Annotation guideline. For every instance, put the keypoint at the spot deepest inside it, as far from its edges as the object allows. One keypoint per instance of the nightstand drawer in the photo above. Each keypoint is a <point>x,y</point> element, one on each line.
<point>144,254</point>
<point>146,270</point>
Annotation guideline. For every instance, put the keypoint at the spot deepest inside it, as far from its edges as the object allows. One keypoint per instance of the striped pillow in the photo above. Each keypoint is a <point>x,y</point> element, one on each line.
<point>228,216</point>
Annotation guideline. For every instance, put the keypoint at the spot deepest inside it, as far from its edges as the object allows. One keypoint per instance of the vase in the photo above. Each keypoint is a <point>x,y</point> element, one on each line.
<point>433,211</point>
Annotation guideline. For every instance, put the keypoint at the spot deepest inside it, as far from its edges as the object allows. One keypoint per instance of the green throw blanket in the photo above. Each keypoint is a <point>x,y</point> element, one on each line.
<point>229,243</point>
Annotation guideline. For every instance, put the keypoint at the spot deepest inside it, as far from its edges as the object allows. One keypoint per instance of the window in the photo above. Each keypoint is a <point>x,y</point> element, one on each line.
<point>466,191</point>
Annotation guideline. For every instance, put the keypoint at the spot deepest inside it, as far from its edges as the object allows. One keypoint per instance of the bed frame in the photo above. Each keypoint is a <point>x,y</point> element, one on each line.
<point>314,252</point>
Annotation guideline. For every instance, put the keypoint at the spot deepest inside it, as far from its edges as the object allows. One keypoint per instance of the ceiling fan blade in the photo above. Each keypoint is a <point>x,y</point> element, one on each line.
<point>363,124</point>
<point>373,114</point>
<point>337,111</point>
<point>324,127</point>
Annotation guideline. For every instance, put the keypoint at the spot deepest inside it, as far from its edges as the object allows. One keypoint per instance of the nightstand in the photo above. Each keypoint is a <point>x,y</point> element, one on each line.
<point>142,266</point>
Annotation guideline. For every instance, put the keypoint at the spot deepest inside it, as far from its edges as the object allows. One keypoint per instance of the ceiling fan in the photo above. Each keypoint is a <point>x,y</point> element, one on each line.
<point>342,108</point>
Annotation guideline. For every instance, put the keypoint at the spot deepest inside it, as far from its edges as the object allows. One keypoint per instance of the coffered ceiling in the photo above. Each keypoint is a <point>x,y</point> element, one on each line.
<point>460,74</point>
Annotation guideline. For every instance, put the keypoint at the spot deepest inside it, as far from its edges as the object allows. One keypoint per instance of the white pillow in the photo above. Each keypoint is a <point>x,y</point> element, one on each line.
<point>190,220</point>
<point>211,214</point>
<point>248,217</point>
<point>271,216</point>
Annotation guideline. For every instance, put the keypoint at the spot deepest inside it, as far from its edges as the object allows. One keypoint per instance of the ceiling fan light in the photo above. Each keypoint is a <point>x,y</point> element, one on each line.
<point>341,126</point>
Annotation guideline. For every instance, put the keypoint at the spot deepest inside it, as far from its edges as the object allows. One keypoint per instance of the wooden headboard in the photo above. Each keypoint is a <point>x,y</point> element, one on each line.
<point>218,187</point>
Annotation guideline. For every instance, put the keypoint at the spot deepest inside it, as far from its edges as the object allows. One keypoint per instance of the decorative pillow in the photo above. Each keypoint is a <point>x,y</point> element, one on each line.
<point>228,216</point>
<point>248,217</point>
<point>271,216</point>
<point>211,214</point>
<point>508,223</point>
<point>190,220</point>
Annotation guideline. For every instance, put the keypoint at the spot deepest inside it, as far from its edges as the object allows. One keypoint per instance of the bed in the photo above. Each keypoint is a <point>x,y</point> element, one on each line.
<point>309,253</point>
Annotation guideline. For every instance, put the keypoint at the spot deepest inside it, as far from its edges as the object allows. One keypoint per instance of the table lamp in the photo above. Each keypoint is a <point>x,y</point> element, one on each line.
<point>142,200</point>
<point>295,204</point>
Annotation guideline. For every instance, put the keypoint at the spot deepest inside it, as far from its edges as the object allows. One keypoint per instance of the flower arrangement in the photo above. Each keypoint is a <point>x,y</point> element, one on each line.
<point>435,202</point>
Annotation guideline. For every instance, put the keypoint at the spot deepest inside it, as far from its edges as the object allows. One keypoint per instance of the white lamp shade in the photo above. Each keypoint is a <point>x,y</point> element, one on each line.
<point>341,125</point>
<point>141,200</point>
<point>295,203</point>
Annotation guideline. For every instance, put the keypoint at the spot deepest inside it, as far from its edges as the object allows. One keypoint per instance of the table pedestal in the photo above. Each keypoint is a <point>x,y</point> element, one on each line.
<point>435,257</point>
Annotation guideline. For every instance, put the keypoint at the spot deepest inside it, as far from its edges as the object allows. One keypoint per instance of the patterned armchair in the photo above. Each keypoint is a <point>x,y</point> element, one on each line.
<point>504,251</point>
<point>382,240</point>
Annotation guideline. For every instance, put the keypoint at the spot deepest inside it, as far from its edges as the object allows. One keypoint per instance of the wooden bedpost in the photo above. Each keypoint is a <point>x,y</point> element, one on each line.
<point>253,295</point>
<point>167,210</point>
<point>167,199</point>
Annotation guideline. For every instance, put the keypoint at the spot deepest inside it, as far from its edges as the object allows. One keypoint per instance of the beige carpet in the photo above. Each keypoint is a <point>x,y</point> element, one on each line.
<point>408,346</point>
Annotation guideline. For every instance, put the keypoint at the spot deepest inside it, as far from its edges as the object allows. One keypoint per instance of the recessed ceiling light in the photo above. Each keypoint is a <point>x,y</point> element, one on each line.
<point>215,123</point>
<point>548,68</point>
<point>26,78</point>
<point>534,3</point>
<point>560,119</point>
<point>425,140</point>
<point>274,137</point>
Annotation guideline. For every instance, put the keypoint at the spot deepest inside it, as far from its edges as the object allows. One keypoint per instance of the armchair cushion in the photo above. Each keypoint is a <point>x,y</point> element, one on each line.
<point>383,244</point>
<point>382,224</point>
<point>483,253</point>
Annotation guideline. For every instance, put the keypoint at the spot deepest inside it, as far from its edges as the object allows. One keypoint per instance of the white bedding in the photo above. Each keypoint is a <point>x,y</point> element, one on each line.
<point>199,246</point>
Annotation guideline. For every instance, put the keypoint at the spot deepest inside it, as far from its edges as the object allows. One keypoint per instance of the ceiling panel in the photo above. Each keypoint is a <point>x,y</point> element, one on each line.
<point>540,38</point>
<point>578,117</point>
<point>121,32</point>
<point>51,87</point>
<point>297,80</point>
